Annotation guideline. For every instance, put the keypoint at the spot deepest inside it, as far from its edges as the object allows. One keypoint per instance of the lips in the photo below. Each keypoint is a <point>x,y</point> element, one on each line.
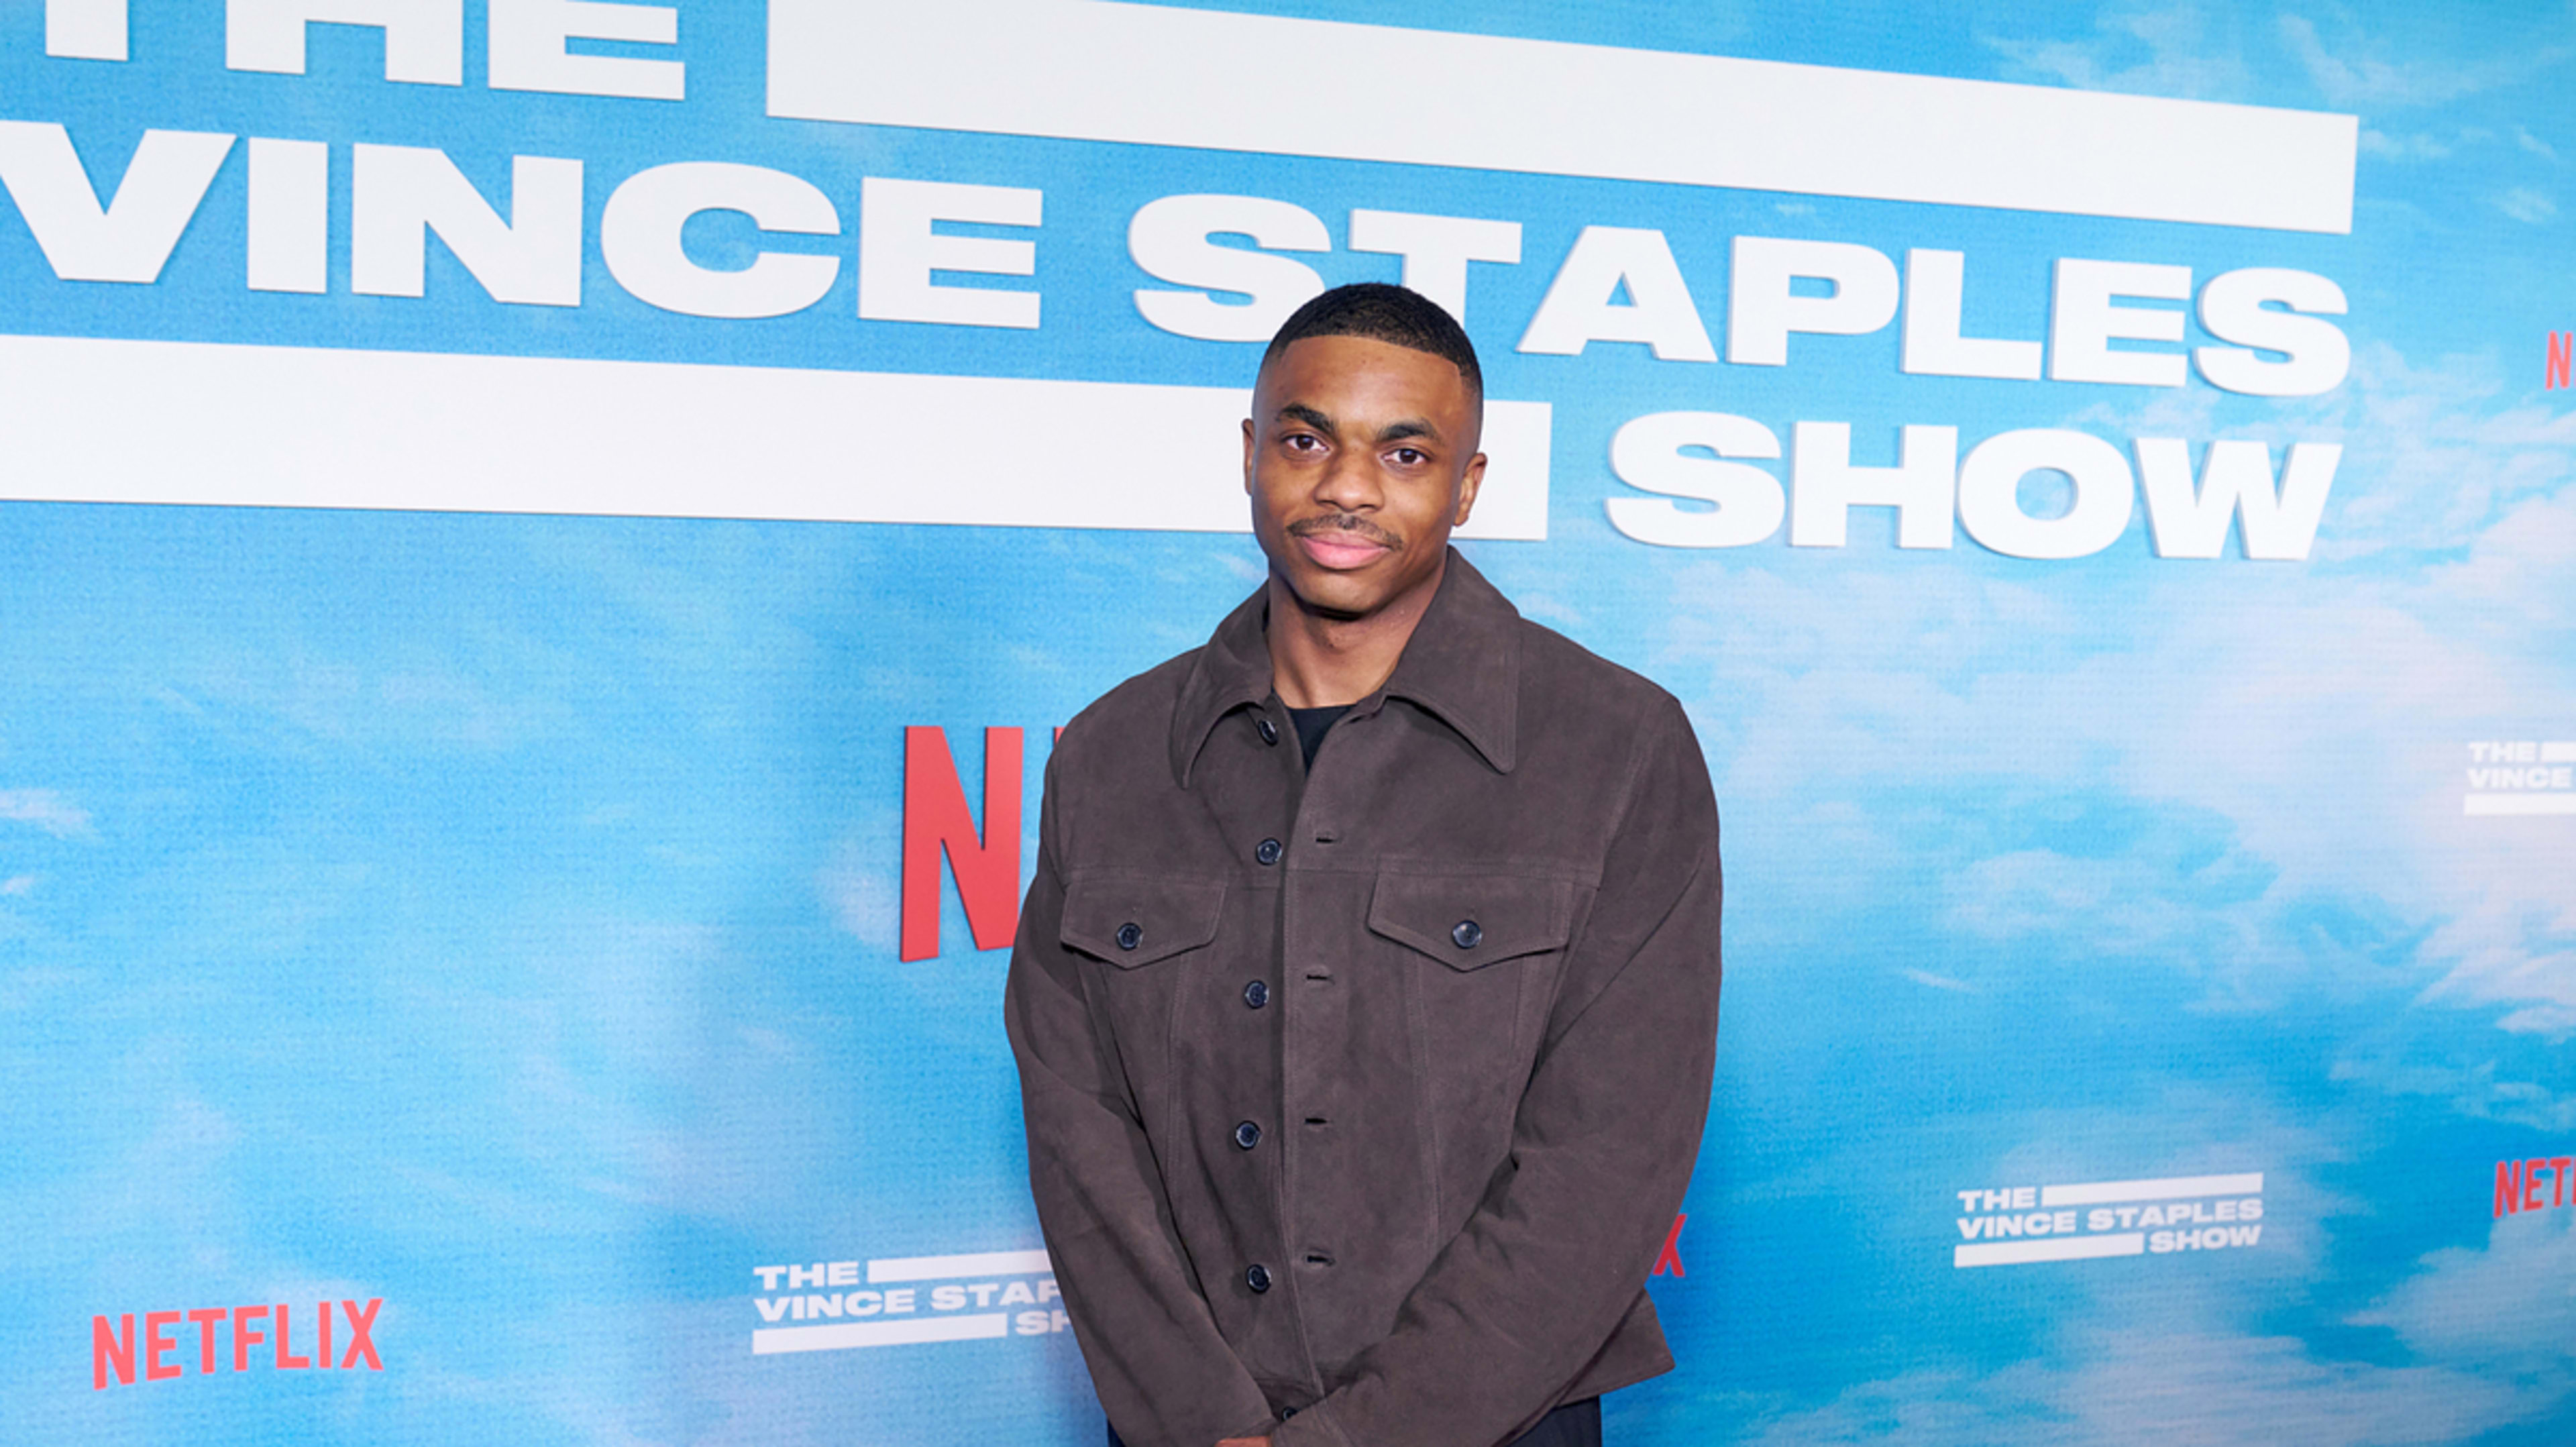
<point>1339,550</point>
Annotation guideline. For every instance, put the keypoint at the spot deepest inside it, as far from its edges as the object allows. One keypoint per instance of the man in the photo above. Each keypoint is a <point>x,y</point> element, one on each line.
<point>1365,999</point>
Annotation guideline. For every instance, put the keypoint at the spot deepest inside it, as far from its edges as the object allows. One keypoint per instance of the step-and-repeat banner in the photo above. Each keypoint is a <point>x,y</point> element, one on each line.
<point>546,541</point>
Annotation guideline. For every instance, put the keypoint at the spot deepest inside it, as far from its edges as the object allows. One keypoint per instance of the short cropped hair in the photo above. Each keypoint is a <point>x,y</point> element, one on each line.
<point>1383,313</point>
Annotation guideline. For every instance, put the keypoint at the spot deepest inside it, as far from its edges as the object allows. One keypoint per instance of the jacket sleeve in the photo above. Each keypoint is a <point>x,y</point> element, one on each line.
<point>1603,1142</point>
<point>1164,1375</point>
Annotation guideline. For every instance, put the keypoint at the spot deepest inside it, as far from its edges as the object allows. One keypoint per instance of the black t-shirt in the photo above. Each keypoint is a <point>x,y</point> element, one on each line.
<point>1311,726</point>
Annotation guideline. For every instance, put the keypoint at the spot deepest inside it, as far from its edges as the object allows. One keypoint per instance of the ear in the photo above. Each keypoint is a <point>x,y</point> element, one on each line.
<point>1247,456</point>
<point>1473,479</point>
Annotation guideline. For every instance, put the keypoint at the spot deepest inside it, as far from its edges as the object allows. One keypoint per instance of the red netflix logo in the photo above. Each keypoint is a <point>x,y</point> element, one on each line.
<point>115,1350</point>
<point>2562,361</point>
<point>2517,1184</point>
<point>1670,1259</point>
<point>937,821</point>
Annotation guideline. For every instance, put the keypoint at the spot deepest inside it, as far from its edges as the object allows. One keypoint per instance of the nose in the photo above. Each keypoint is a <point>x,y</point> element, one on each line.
<point>1350,482</point>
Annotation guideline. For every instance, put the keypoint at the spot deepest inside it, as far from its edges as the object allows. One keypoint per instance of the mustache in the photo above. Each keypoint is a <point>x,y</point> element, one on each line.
<point>1344,522</point>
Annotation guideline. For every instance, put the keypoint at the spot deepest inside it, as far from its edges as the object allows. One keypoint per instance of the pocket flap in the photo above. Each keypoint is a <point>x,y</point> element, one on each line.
<point>1468,921</point>
<point>1133,920</point>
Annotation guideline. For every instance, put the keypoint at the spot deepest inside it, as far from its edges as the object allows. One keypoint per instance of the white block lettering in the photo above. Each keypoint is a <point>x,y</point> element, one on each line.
<point>2236,483</point>
<point>639,238</point>
<point>398,194</point>
<point>1580,306</point>
<point>1436,249</point>
<point>527,49</point>
<point>1649,453</point>
<point>1169,240</point>
<point>424,39</point>
<point>1762,309</point>
<point>1934,285</point>
<point>290,215</point>
<point>85,29</point>
<point>131,238</point>
<point>1826,486</point>
<point>898,250</point>
<point>2234,307</point>
<point>2083,321</point>
<point>1990,493</point>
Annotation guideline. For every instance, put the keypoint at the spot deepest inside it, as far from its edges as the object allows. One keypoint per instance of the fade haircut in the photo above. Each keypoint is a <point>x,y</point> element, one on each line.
<point>1379,312</point>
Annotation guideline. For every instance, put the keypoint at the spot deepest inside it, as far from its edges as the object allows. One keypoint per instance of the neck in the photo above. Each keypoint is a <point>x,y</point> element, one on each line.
<point>1320,660</point>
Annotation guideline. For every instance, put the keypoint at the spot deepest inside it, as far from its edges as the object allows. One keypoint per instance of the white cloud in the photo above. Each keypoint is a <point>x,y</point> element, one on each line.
<point>2167,1350</point>
<point>2424,146</point>
<point>2513,1301</point>
<point>2480,1092</point>
<point>2210,1389</point>
<point>2433,451</point>
<point>860,892</point>
<point>2118,904</point>
<point>2320,715</point>
<point>47,810</point>
<point>2515,581</point>
<point>2382,145</point>
<point>2351,79</point>
<point>2523,203</point>
<point>2184,57</point>
<point>2174,1388</point>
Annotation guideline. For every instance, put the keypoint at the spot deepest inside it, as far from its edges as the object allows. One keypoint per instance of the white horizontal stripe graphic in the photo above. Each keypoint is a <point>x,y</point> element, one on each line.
<point>2523,804</point>
<point>91,420</point>
<point>2164,1188</point>
<point>770,1341</point>
<point>2050,1248</point>
<point>945,1268</point>
<point>1162,75</point>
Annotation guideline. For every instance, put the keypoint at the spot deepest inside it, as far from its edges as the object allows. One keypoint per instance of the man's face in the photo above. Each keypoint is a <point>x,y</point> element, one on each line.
<point>1360,456</point>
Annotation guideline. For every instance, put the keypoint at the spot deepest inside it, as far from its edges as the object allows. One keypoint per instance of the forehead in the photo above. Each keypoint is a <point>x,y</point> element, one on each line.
<point>1364,377</point>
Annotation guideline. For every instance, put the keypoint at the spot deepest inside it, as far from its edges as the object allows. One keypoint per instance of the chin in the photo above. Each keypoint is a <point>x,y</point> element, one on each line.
<point>1336,592</point>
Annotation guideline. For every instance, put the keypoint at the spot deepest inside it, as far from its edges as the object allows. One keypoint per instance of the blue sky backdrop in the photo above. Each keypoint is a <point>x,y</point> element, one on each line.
<point>496,915</point>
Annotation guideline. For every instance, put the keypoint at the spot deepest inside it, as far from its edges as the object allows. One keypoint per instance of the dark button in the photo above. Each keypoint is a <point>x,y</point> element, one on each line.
<point>1269,731</point>
<point>1257,1277</point>
<point>1256,994</point>
<point>1287,1412</point>
<point>1129,936</point>
<point>1267,851</point>
<point>1466,936</point>
<point>1247,1135</point>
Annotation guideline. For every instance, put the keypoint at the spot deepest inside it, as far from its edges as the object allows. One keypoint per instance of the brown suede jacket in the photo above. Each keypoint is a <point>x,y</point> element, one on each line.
<point>1360,1104</point>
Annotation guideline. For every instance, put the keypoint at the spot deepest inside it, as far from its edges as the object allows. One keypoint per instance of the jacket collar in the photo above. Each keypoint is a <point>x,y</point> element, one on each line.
<point>1462,664</point>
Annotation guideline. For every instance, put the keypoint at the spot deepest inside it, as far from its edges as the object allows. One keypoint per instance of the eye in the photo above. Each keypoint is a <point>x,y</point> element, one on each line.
<point>1411,457</point>
<point>1301,442</point>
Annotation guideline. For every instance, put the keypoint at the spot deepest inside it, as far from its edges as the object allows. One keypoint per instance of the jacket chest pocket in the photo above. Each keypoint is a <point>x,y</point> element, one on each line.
<point>1481,956</point>
<point>1470,921</point>
<point>1131,921</point>
<point>1155,936</point>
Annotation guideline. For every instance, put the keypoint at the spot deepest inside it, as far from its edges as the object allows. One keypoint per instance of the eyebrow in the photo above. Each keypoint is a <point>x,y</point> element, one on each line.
<point>1391,432</point>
